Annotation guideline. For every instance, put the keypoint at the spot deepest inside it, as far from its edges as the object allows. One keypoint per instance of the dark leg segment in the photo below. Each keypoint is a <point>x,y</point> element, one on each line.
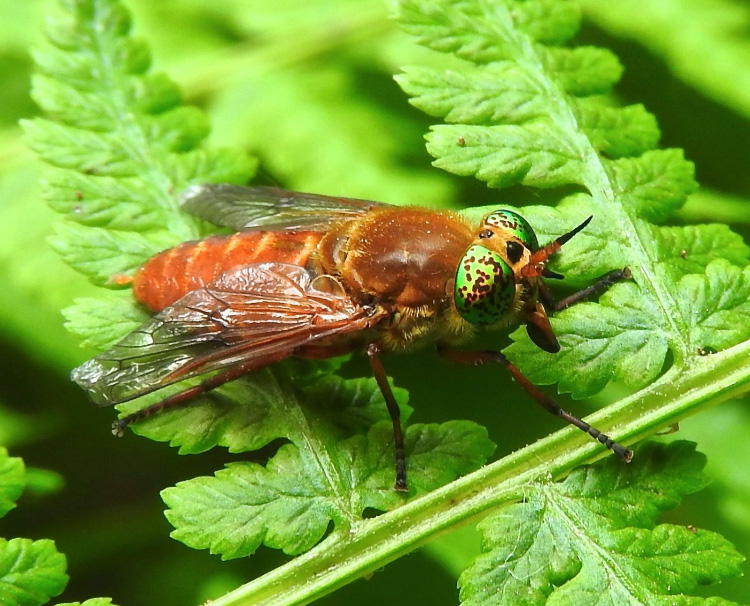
<point>595,289</point>
<point>183,398</point>
<point>483,357</point>
<point>373,352</point>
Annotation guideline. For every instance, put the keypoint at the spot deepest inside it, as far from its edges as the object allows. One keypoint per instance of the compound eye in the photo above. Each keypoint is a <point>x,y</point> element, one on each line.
<point>514,251</point>
<point>514,223</point>
<point>485,286</point>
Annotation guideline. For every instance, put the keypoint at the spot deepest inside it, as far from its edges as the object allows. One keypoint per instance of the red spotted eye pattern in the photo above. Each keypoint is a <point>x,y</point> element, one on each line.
<point>485,286</point>
<point>515,224</point>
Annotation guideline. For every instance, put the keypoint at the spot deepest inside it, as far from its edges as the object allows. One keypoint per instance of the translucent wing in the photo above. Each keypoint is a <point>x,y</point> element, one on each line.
<point>269,208</point>
<point>253,313</point>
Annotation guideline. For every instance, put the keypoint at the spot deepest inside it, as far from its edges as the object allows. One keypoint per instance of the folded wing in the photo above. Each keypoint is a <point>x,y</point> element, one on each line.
<point>253,313</point>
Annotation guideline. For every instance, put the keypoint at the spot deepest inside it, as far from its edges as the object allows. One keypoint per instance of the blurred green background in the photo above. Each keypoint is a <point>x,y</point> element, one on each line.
<point>308,89</point>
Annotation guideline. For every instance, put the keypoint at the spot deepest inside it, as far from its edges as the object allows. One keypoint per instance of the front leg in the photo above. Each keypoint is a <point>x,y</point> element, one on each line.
<point>597,288</point>
<point>487,356</point>
<point>537,320</point>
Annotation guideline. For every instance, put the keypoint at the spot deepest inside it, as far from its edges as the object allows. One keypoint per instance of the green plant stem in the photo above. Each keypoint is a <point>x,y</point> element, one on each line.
<point>355,552</point>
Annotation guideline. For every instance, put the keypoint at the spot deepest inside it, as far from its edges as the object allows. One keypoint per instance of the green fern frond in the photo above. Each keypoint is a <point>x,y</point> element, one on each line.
<point>124,144</point>
<point>585,541</point>
<point>529,122</point>
<point>123,149</point>
<point>519,108</point>
<point>31,572</point>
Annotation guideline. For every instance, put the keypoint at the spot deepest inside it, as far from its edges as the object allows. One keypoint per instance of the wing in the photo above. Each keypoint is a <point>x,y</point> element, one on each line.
<point>269,208</point>
<point>255,313</point>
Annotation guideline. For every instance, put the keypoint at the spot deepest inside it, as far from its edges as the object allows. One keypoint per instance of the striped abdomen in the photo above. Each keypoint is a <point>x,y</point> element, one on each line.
<point>171,274</point>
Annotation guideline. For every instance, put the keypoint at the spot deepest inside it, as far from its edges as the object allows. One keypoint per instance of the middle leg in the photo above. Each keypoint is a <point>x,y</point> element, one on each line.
<point>373,352</point>
<point>487,356</point>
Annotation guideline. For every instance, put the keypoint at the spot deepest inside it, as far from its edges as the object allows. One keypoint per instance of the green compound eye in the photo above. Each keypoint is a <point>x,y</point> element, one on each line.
<point>485,286</point>
<point>515,224</point>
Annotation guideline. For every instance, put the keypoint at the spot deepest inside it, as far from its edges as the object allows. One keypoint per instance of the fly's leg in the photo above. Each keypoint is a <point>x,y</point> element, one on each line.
<point>373,352</point>
<point>183,398</point>
<point>597,288</point>
<point>488,356</point>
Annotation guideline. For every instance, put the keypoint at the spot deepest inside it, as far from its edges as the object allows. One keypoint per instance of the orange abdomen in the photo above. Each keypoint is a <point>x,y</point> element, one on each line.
<point>171,274</point>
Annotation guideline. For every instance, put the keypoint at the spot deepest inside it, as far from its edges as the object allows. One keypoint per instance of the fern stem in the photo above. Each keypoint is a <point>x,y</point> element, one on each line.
<point>599,183</point>
<point>601,187</point>
<point>344,557</point>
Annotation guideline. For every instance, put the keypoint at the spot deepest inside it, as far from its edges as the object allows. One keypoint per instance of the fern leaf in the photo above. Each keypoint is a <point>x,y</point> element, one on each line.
<point>516,115</point>
<point>289,503</point>
<point>565,136</point>
<point>127,144</point>
<point>592,539</point>
<point>12,481</point>
<point>519,108</point>
<point>31,572</point>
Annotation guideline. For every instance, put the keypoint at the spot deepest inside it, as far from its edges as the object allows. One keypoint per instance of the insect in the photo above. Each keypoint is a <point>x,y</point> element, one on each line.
<point>316,276</point>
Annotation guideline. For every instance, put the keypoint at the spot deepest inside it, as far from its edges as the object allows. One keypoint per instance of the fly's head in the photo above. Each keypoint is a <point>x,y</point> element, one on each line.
<point>497,275</point>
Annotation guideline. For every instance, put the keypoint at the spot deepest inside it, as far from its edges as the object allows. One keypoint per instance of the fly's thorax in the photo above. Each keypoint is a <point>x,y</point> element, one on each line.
<point>399,256</point>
